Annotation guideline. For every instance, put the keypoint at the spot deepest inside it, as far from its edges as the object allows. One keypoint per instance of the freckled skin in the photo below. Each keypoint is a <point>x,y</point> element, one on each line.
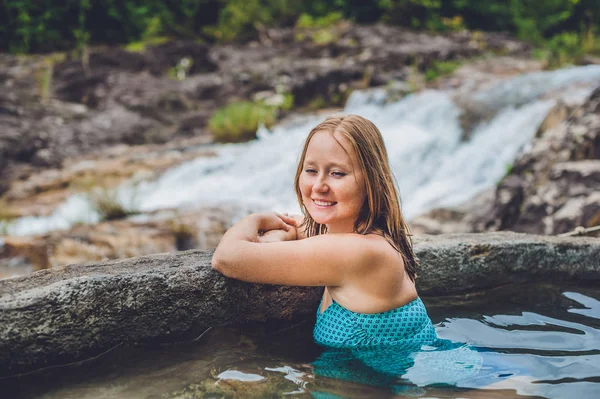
<point>331,174</point>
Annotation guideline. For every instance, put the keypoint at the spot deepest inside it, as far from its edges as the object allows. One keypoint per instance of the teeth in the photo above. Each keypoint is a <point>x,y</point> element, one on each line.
<point>323,203</point>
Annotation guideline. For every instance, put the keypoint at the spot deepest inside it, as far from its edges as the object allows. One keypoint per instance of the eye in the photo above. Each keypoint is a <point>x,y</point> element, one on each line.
<point>310,171</point>
<point>338,174</point>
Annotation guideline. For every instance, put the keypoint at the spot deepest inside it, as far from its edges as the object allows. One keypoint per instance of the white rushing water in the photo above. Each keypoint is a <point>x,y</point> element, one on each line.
<point>421,131</point>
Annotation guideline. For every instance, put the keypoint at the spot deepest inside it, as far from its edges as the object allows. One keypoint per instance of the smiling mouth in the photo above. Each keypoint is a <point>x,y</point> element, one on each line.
<point>323,203</point>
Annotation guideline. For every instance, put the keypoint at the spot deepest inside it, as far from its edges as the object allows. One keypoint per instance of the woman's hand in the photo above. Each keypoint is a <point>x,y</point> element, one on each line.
<point>268,221</point>
<point>255,228</point>
<point>278,235</point>
<point>275,227</point>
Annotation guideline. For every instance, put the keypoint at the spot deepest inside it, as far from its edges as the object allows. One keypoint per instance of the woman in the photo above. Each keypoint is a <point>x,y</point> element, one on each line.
<point>352,239</point>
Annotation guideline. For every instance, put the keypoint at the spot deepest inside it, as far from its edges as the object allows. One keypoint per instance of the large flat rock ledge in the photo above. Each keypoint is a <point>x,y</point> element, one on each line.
<point>63,315</point>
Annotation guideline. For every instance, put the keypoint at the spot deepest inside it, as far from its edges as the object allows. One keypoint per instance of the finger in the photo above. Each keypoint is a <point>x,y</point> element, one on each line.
<point>288,219</point>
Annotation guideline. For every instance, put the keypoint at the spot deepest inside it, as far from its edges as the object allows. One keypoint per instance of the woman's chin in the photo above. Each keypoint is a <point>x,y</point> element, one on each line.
<point>319,217</point>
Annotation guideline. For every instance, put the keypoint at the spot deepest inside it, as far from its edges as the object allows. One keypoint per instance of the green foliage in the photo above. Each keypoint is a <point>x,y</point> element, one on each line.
<point>239,121</point>
<point>138,47</point>
<point>563,48</point>
<point>308,21</point>
<point>288,101</point>
<point>180,70</point>
<point>108,205</point>
<point>318,102</point>
<point>440,68</point>
<point>320,30</point>
<point>246,17</point>
<point>509,168</point>
<point>45,25</point>
<point>44,79</point>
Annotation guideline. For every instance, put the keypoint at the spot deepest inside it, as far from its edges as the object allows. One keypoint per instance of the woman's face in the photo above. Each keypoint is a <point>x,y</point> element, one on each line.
<point>331,182</point>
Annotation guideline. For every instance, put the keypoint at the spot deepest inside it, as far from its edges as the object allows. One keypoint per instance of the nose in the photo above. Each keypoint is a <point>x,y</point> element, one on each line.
<point>320,185</point>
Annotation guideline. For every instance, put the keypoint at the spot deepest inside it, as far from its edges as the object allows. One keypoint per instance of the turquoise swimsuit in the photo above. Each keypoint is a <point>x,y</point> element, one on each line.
<point>392,348</point>
<point>408,326</point>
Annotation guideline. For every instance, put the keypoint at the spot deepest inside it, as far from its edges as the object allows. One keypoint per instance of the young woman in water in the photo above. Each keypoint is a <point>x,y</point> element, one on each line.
<point>352,239</point>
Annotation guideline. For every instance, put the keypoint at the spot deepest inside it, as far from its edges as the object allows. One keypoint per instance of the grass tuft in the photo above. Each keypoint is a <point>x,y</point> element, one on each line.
<point>138,47</point>
<point>108,205</point>
<point>441,68</point>
<point>238,122</point>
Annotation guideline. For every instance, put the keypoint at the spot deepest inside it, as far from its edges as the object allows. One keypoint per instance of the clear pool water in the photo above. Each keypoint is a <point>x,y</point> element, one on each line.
<point>540,341</point>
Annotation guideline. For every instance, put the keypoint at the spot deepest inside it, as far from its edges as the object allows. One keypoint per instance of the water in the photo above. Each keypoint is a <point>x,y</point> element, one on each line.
<point>433,166</point>
<point>538,341</point>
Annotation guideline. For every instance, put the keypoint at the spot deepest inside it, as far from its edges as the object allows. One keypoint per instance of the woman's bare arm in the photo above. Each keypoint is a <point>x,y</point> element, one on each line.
<point>316,261</point>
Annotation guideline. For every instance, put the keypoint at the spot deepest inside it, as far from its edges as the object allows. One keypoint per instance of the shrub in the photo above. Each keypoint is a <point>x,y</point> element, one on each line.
<point>310,22</point>
<point>563,49</point>
<point>239,121</point>
<point>288,101</point>
<point>440,68</point>
<point>321,30</point>
<point>44,81</point>
<point>316,103</point>
<point>108,205</point>
<point>140,46</point>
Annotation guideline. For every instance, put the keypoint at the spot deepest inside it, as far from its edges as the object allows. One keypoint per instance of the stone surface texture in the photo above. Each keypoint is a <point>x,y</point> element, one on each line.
<point>67,314</point>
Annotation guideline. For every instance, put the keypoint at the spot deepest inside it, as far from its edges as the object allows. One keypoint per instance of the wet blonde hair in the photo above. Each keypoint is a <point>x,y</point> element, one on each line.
<point>380,213</point>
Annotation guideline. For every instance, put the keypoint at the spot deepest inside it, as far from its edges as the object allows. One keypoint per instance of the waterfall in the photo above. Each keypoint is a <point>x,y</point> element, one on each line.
<point>431,163</point>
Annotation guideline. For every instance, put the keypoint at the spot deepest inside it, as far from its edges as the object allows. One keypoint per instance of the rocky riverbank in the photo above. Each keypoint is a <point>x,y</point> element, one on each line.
<point>72,125</point>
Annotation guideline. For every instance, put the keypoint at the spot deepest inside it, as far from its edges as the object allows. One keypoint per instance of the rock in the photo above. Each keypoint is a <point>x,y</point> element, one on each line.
<point>439,221</point>
<point>62,315</point>
<point>157,298</point>
<point>163,231</point>
<point>165,56</point>
<point>589,59</point>
<point>38,194</point>
<point>558,114</point>
<point>568,216</point>
<point>32,249</point>
<point>590,212</point>
<point>551,188</point>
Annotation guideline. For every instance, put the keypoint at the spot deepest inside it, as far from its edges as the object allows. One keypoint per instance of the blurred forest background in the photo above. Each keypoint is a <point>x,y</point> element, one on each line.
<point>567,28</point>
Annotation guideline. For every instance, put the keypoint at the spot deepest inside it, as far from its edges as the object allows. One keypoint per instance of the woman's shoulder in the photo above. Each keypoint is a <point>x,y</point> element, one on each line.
<point>368,250</point>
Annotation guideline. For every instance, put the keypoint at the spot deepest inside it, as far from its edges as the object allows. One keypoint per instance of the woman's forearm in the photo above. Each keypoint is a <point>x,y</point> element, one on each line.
<point>235,243</point>
<point>246,230</point>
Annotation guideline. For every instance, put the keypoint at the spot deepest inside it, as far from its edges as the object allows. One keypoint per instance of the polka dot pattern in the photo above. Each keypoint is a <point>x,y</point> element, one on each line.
<point>408,326</point>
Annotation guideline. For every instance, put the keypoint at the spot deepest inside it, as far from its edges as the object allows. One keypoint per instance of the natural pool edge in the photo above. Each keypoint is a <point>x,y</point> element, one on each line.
<point>63,315</point>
